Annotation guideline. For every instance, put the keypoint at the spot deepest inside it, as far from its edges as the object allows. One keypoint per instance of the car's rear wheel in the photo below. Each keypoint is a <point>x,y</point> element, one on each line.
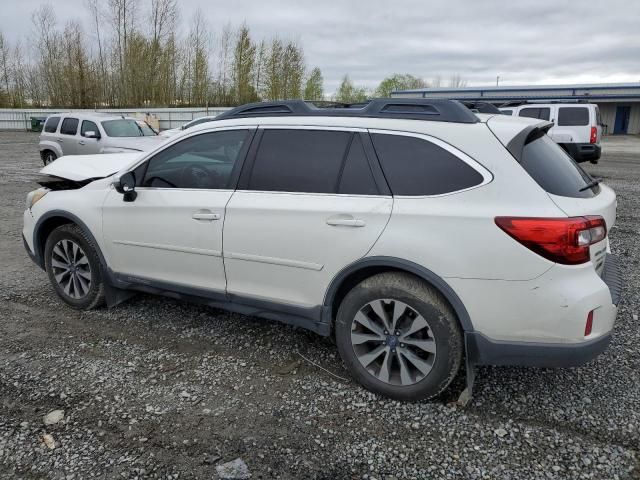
<point>48,157</point>
<point>73,267</point>
<point>399,337</point>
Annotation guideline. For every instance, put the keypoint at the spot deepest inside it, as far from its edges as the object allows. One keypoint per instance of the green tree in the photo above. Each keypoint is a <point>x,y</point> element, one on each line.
<point>313,89</point>
<point>243,68</point>
<point>398,81</point>
<point>348,93</point>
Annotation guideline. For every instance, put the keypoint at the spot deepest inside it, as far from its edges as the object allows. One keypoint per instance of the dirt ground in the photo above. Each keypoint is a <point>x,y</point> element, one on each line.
<point>155,388</point>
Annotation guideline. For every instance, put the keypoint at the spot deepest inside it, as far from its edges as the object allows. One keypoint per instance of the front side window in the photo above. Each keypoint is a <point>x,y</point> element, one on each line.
<point>413,166</point>
<point>127,128</point>
<point>52,124</point>
<point>507,112</point>
<point>573,116</point>
<point>542,113</point>
<point>69,126</point>
<point>89,126</point>
<point>299,160</point>
<point>203,161</point>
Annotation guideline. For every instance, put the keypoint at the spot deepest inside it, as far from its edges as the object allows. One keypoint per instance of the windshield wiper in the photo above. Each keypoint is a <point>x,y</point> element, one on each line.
<point>591,184</point>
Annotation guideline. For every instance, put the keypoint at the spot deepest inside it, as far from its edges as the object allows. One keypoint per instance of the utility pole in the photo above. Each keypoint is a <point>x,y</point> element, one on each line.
<point>497,80</point>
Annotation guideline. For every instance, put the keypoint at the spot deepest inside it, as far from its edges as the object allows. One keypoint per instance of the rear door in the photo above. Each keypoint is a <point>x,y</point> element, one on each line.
<point>309,203</point>
<point>574,122</point>
<point>68,136</point>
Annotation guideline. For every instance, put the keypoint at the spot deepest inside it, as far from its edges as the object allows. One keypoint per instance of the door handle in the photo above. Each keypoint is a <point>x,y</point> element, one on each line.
<point>206,216</point>
<point>59,140</point>
<point>81,142</point>
<point>345,221</point>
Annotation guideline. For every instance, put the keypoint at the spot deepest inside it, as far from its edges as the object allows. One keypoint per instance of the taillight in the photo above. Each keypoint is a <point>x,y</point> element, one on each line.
<point>594,135</point>
<point>588,327</point>
<point>561,240</point>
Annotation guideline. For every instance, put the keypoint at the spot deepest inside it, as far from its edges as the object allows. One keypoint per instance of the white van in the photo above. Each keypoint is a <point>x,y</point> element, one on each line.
<point>577,126</point>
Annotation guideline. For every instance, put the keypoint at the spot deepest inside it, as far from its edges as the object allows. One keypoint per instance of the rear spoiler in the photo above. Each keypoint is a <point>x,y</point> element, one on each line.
<point>526,136</point>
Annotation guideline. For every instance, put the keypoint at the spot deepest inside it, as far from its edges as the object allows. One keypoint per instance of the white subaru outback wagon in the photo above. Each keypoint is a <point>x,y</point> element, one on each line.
<point>416,232</point>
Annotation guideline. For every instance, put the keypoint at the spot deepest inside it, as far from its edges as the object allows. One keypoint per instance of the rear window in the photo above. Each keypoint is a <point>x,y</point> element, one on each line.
<point>542,113</point>
<point>69,126</point>
<point>52,124</point>
<point>308,161</point>
<point>413,166</point>
<point>554,170</point>
<point>573,116</point>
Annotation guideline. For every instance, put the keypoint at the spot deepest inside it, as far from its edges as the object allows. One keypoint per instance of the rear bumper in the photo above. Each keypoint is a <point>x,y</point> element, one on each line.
<point>583,152</point>
<point>483,350</point>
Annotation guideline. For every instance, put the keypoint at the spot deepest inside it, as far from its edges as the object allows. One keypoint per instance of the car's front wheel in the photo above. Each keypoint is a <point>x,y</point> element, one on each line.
<point>48,157</point>
<point>73,267</point>
<point>398,337</point>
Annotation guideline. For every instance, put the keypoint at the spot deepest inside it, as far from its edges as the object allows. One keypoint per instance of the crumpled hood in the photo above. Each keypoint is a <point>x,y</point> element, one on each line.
<point>143,144</point>
<point>83,167</point>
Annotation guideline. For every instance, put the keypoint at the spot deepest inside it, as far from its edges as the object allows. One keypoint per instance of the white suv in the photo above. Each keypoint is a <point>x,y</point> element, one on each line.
<point>577,126</point>
<point>414,231</point>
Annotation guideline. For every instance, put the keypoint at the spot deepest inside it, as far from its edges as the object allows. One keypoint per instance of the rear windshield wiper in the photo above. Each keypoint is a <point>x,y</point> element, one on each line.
<point>591,184</point>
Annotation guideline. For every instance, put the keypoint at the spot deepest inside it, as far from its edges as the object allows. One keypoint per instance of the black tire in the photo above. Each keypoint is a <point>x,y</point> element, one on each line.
<point>94,295</point>
<point>424,300</point>
<point>48,157</point>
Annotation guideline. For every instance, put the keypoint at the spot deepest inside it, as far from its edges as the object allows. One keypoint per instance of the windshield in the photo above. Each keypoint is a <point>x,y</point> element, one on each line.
<point>128,128</point>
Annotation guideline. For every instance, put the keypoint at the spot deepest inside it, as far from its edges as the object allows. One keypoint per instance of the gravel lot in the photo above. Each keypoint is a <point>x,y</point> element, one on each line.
<point>160,389</point>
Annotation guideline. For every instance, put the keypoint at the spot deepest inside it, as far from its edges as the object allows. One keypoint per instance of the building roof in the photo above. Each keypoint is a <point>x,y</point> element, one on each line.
<point>610,92</point>
<point>507,88</point>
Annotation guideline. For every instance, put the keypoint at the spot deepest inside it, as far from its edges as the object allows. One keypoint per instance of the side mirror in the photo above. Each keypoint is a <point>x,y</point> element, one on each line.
<point>127,186</point>
<point>92,134</point>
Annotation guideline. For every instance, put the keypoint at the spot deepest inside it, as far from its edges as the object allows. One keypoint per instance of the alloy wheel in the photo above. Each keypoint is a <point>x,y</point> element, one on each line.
<point>71,268</point>
<point>393,342</point>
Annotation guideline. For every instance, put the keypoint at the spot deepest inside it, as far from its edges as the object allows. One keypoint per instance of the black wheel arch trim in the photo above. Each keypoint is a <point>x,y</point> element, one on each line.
<point>38,247</point>
<point>400,264</point>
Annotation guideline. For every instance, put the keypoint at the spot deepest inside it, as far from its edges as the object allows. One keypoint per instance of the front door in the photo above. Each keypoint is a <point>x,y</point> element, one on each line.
<point>307,205</point>
<point>172,232</point>
<point>622,120</point>
<point>87,145</point>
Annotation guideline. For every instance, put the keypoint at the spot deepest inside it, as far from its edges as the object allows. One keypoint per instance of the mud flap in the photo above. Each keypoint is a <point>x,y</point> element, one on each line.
<point>467,394</point>
<point>115,296</point>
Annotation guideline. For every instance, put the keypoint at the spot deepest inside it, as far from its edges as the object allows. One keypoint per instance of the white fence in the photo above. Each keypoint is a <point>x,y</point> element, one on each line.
<point>20,119</point>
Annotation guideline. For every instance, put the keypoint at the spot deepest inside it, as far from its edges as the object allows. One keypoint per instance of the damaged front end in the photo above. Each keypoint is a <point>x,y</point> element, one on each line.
<point>51,182</point>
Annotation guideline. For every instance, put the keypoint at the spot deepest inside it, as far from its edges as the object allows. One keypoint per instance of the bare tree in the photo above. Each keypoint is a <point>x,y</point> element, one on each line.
<point>456,81</point>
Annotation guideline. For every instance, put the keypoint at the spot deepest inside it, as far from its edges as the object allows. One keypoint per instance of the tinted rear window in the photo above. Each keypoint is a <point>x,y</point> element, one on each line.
<point>357,178</point>
<point>52,124</point>
<point>294,160</point>
<point>69,126</point>
<point>573,116</point>
<point>543,113</point>
<point>414,166</point>
<point>554,170</point>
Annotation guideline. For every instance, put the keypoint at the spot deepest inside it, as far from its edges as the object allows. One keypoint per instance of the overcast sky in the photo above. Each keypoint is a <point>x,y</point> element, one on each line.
<point>523,41</point>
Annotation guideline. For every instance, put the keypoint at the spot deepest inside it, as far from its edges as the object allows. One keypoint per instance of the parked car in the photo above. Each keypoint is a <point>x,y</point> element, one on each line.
<point>174,131</point>
<point>79,133</point>
<point>577,126</point>
<point>415,232</point>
